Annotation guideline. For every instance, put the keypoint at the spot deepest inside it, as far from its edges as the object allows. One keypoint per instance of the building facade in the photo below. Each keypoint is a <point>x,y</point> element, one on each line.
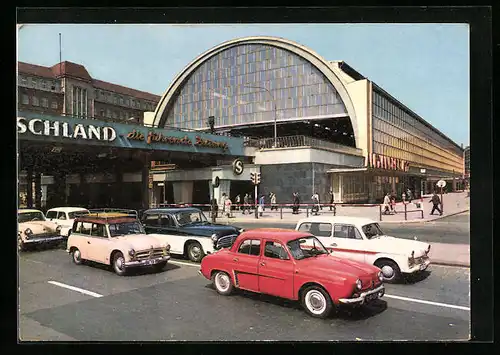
<point>314,125</point>
<point>68,89</point>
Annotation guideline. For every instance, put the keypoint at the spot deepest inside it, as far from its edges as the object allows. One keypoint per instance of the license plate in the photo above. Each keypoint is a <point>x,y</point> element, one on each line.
<point>423,267</point>
<point>372,297</point>
<point>150,262</point>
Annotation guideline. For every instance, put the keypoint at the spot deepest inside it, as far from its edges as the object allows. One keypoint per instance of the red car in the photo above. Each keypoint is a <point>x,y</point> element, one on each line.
<point>293,265</point>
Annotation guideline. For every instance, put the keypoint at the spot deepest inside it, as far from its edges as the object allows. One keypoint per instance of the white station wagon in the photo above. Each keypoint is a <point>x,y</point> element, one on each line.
<point>362,239</point>
<point>64,217</point>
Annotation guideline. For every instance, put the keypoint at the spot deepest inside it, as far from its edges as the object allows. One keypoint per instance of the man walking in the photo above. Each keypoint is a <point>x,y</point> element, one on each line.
<point>315,200</point>
<point>237,201</point>
<point>296,203</point>
<point>273,201</point>
<point>332,198</point>
<point>246,202</point>
<point>436,201</point>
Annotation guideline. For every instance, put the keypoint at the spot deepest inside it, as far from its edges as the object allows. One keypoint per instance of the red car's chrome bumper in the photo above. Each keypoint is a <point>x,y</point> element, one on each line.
<point>372,294</point>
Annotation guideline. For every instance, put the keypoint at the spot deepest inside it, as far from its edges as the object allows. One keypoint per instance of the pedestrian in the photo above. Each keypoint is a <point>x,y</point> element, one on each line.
<point>409,195</point>
<point>332,198</point>
<point>223,202</point>
<point>273,201</point>
<point>387,203</point>
<point>262,203</point>
<point>403,196</point>
<point>393,202</point>
<point>237,202</point>
<point>315,200</point>
<point>228,204</point>
<point>436,201</point>
<point>296,203</point>
<point>246,202</point>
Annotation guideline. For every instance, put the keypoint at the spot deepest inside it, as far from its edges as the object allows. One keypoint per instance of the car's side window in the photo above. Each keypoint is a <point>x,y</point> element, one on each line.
<point>98,230</point>
<point>166,220</point>
<point>83,228</point>
<point>51,214</point>
<point>61,216</point>
<point>317,229</point>
<point>275,250</point>
<point>250,247</point>
<point>150,220</point>
<point>346,231</point>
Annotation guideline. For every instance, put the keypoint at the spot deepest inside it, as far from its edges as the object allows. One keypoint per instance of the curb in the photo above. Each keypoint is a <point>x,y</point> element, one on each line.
<point>450,263</point>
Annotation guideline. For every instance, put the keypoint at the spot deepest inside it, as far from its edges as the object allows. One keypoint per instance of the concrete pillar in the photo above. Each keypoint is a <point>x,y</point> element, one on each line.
<point>38,190</point>
<point>183,191</point>
<point>341,182</point>
<point>453,185</point>
<point>29,187</point>
<point>145,186</point>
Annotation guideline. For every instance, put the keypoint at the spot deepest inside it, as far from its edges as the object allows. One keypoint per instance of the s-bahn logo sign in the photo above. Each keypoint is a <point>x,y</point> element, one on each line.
<point>39,127</point>
<point>238,167</point>
<point>380,161</point>
<point>154,137</point>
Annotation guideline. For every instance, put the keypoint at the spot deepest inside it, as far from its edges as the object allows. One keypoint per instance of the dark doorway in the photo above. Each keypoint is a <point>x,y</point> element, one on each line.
<point>241,187</point>
<point>201,192</point>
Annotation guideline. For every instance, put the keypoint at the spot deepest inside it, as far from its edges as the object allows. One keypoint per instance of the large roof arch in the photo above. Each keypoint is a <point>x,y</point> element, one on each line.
<point>160,114</point>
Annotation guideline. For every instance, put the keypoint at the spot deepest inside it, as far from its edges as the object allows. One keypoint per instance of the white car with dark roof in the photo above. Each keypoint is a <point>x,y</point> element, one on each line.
<point>64,217</point>
<point>362,239</point>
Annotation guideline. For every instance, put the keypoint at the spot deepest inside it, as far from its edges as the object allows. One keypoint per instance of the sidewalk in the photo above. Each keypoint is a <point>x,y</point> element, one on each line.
<point>454,203</point>
<point>450,254</point>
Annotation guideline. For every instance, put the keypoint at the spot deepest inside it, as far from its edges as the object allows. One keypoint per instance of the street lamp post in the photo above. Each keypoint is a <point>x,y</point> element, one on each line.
<point>275,110</point>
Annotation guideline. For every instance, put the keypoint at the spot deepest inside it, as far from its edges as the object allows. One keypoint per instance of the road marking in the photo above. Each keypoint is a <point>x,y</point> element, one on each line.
<point>427,302</point>
<point>81,290</point>
<point>184,263</point>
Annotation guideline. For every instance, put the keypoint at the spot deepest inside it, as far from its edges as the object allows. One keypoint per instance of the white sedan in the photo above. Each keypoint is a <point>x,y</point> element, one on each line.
<point>362,239</point>
<point>64,217</point>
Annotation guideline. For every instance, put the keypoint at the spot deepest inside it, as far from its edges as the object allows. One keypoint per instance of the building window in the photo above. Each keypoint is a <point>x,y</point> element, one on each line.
<point>33,82</point>
<point>127,102</point>
<point>53,105</point>
<point>114,114</point>
<point>25,99</point>
<point>121,100</point>
<point>45,102</point>
<point>115,99</point>
<point>108,112</point>
<point>24,81</point>
<point>35,101</point>
<point>44,84</point>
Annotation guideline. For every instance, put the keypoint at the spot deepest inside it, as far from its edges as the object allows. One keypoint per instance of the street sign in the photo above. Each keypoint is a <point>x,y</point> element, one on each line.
<point>216,181</point>
<point>441,183</point>
<point>238,167</point>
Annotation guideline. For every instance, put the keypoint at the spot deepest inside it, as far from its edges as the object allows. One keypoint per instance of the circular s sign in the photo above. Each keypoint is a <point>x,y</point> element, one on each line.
<point>238,167</point>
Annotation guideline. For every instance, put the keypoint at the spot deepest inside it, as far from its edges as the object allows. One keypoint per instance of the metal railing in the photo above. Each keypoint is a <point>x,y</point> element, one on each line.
<point>300,141</point>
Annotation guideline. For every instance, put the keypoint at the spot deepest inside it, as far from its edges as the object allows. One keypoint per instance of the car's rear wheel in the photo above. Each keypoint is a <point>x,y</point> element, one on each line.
<point>222,283</point>
<point>76,255</point>
<point>195,252</point>
<point>390,270</point>
<point>119,264</point>
<point>316,302</point>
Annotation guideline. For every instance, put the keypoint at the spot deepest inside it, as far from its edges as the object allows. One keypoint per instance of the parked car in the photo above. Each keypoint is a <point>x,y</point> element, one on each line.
<point>117,239</point>
<point>34,229</point>
<point>292,265</point>
<point>64,217</point>
<point>362,239</point>
<point>188,231</point>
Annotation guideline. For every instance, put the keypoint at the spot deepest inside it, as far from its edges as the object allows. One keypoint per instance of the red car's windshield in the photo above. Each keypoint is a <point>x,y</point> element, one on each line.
<point>306,247</point>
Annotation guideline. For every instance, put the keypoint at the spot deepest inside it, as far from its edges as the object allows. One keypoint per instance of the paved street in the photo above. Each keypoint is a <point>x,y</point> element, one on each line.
<point>178,304</point>
<point>453,230</point>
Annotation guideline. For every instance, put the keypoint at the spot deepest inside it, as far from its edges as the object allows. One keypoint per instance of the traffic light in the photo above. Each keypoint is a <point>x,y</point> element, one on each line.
<point>255,178</point>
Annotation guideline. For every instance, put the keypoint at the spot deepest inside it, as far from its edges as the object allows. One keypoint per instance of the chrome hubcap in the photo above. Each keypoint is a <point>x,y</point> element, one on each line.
<point>195,251</point>
<point>222,282</point>
<point>388,272</point>
<point>76,255</point>
<point>119,263</point>
<point>315,302</point>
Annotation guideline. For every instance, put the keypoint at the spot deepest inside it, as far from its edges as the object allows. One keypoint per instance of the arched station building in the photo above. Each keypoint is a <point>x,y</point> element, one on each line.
<point>335,129</point>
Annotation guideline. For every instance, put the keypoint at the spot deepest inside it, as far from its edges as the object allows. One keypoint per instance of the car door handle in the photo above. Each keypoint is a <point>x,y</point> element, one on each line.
<point>235,259</point>
<point>262,263</point>
<point>88,242</point>
<point>333,244</point>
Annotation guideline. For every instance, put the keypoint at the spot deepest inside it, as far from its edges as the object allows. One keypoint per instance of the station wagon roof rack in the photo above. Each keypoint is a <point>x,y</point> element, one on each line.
<point>110,213</point>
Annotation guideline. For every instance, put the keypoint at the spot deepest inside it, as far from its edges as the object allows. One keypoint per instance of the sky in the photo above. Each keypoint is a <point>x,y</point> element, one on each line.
<point>425,66</point>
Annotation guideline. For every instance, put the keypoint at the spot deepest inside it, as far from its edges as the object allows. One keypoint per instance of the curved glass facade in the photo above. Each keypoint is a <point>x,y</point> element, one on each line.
<point>241,85</point>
